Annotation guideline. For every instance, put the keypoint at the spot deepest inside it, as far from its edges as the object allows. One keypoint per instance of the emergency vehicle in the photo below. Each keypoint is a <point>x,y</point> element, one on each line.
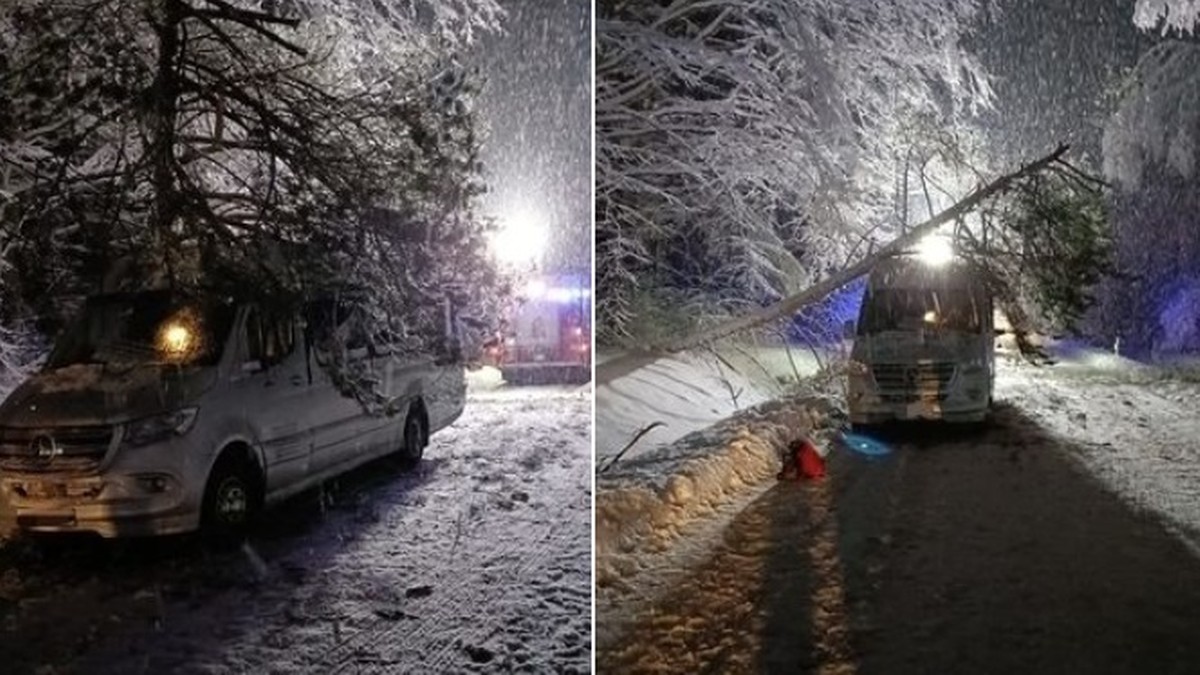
<point>548,337</point>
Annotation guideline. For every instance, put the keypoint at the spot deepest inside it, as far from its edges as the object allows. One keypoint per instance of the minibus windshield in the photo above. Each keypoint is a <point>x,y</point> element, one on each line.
<point>916,309</point>
<point>153,327</point>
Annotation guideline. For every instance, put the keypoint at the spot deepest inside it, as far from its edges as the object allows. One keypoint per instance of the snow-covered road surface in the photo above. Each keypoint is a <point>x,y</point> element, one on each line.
<point>1057,540</point>
<point>478,560</point>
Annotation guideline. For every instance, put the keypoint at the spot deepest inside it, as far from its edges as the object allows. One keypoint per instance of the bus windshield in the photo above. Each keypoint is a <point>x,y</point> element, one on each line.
<point>915,309</point>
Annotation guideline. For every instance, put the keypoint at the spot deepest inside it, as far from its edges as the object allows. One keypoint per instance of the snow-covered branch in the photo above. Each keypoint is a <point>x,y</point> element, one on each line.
<point>1167,15</point>
<point>236,144</point>
<point>726,130</point>
<point>793,303</point>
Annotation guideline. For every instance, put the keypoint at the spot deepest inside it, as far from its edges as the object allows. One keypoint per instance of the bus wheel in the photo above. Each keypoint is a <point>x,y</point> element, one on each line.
<point>230,499</point>
<point>416,436</point>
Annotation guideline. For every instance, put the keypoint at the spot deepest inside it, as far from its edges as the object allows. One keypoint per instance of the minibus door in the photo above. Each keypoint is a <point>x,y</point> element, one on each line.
<point>277,396</point>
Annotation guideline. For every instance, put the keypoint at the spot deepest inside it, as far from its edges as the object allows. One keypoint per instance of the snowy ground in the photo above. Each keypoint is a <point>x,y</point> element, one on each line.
<point>1061,538</point>
<point>479,560</point>
<point>1136,427</point>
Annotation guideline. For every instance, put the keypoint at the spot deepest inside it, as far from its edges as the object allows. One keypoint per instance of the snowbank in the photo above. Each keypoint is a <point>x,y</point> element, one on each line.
<point>641,503</point>
<point>688,392</point>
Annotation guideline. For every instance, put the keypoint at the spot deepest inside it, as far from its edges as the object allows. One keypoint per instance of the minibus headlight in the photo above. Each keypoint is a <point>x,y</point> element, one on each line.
<point>151,429</point>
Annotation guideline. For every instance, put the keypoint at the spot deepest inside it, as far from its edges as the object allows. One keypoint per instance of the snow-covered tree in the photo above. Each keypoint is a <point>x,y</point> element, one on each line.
<point>1167,15</point>
<point>743,149</point>
<point>1157,124</point>
<point>290,148</point>
<point>1152,155</point>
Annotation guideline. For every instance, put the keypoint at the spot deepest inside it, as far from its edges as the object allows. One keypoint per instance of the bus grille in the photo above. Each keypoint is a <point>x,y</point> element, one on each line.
<point>902,383</point>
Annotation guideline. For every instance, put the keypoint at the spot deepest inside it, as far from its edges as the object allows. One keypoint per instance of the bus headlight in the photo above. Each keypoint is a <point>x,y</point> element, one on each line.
<point>150,429</point>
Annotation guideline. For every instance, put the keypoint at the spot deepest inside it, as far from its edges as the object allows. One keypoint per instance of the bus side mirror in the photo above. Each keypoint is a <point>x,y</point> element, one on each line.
<point>848,329</point>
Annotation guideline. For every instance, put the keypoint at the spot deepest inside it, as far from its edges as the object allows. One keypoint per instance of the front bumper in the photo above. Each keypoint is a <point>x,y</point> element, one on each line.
<point>109,504</point>
<point>877,412</point>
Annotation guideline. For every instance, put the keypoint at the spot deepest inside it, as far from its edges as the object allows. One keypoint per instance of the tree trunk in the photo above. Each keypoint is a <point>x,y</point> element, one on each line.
<point>165,111</point>
<point>1021,326</point>
<point>791,304</point>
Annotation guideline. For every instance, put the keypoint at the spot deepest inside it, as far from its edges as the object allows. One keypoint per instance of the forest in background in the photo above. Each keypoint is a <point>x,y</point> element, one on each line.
<point>745,152</point>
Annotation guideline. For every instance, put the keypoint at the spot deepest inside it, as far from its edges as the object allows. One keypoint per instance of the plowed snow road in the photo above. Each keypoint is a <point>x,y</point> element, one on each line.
<point>478,560</point>
<point>990,553</point>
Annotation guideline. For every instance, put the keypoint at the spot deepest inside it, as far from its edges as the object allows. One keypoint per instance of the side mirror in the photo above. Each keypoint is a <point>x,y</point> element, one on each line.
<point>848,329</point>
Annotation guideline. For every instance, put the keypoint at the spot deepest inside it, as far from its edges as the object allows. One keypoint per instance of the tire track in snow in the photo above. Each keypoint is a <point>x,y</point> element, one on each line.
<point>379,629</point>
<point>549,545</point>
<point>514,563</point>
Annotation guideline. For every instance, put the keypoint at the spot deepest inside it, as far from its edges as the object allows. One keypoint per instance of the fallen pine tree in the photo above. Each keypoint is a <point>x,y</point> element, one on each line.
<point>1040,238</point>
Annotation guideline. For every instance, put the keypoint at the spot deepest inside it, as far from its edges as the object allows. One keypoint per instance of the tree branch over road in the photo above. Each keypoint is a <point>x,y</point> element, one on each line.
<point>795,302</point>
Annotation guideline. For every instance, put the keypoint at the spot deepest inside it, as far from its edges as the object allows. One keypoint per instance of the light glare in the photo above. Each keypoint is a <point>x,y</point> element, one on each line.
<point>535,289</point>
<point>935,250</point>
<point>176,340</point>
<point>521,238</point>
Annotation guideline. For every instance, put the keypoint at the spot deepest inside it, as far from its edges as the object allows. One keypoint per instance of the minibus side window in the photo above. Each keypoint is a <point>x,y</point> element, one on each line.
<point>352,329</point>
<point>335,325</point>
<point>269,337</point>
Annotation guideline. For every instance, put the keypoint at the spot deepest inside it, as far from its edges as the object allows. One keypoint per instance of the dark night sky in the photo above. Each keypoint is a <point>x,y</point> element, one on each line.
<point>536,105</point>
<point>1057,67</point>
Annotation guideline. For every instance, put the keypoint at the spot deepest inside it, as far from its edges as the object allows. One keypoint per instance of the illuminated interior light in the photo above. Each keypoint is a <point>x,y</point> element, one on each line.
<point>179,338</point>
<point>176,340</point>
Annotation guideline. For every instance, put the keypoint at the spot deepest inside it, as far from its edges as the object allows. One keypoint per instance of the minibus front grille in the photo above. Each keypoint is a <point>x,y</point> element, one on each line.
<point>53,448</point>
<point>906,382</point>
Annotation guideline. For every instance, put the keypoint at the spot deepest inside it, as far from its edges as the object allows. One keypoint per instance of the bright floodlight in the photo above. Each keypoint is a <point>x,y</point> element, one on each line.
<point>521,237</point>
<point>535,289</point>
<point>935,250</point>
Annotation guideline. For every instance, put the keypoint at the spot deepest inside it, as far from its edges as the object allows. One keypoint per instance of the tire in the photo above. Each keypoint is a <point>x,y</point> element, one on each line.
<point>231,500</point>
<point>416,437</point>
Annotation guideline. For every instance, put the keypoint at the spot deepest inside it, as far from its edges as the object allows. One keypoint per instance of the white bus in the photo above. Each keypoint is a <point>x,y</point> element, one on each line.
<point>924,345</point>
<point>160,414</point>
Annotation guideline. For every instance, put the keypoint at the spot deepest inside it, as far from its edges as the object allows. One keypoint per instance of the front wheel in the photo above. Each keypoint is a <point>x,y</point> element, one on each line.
<point>230,500</point>
<point>416,437</point>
